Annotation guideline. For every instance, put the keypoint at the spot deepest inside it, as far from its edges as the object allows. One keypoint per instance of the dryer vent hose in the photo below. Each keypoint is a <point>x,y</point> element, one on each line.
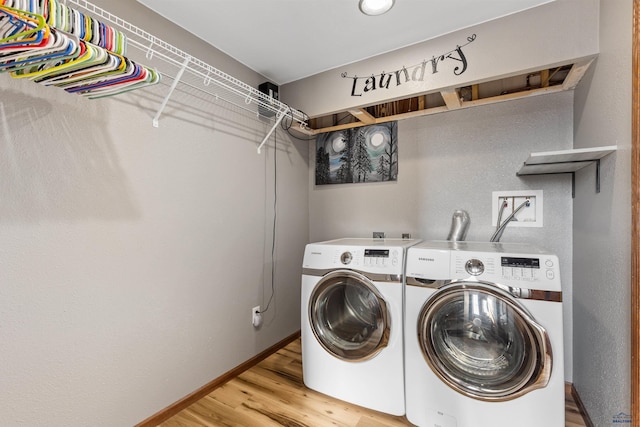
<point>459,226</point>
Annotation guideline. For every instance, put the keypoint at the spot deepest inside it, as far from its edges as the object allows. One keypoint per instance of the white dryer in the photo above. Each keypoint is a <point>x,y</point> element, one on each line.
<point>352,299</point>
<point>483,336</point>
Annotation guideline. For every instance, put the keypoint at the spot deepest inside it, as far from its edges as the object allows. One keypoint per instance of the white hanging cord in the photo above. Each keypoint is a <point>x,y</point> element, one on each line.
<point>273,229</point>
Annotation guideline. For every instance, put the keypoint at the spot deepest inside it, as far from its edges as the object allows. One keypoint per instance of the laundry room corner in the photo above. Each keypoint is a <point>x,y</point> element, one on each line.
<point>455,161</point>
<point>603,267</point>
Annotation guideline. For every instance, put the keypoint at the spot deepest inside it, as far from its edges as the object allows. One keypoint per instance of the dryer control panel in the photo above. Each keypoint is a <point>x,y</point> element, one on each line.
<point>374,256</point>
<point>369,259</point>
<point>381,257</point>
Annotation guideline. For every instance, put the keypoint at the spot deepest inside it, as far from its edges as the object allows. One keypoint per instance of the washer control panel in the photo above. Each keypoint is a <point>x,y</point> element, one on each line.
<point>506,267</point>
<point>521,268</point>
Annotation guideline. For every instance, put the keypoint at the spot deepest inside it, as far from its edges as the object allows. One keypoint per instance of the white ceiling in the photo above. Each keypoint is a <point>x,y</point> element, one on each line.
<point>286,40</point>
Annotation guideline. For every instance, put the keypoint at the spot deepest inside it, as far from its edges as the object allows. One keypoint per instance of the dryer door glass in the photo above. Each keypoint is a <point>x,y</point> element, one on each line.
<point>348,316</point>
<point>482,343</point>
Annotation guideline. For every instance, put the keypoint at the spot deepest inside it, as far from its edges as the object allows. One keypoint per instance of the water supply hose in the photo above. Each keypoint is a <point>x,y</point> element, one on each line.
<point>498,233</point>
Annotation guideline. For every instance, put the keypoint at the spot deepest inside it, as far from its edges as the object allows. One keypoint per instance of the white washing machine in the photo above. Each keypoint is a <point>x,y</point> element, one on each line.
<point>352,299</point>
<point>483,336</point>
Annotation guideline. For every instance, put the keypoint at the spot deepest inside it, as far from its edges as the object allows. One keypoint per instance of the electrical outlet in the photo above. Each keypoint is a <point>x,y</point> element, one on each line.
<point>528,216</point>
<point>256,316</point>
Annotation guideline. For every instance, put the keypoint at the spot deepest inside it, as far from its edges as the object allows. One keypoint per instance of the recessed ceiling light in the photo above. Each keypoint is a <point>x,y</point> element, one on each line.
<point>375,7</point>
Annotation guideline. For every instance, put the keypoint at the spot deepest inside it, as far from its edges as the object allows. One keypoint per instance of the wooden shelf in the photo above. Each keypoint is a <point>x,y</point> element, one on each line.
<point>532,83</point>
<point>566,161</point>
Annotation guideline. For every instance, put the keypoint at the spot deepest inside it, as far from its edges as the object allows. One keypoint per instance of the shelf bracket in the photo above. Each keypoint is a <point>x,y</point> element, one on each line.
<point>566,161</point>
<point>279,118</point>
<point>598,176</point>
<point>171,89</point>
<point>573,180</point>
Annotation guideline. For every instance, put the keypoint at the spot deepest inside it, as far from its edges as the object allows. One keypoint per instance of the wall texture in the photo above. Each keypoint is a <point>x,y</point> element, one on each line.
<point>131,256</point>
<point>454,161</point>
<point>602,223</point>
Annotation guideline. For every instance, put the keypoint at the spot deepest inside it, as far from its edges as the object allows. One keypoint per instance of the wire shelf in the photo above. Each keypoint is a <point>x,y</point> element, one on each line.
<point>237,92</point>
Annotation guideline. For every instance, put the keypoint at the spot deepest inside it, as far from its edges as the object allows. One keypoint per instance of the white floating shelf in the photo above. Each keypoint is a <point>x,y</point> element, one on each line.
<point>566,161</point>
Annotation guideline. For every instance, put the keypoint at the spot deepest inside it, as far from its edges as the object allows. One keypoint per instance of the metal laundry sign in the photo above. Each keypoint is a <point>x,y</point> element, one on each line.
<point>415,73</point>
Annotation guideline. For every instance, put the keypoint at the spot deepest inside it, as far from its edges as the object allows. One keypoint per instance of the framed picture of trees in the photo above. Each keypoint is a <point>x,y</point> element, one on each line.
<point>364,154</point>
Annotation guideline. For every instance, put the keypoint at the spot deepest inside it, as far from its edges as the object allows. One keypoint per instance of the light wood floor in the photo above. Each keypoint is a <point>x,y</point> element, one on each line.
<point>272,394</point>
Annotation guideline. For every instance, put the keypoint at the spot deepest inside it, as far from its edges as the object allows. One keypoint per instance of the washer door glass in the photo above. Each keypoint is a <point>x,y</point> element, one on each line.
<point>348,316</point>
<point>482,343</point>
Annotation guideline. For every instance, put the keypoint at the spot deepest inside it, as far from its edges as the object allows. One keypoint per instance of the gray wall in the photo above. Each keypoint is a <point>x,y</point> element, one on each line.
<point>454,161</point>
<point>131,256</point>
<point>602,224</point>
<point>125,284</point>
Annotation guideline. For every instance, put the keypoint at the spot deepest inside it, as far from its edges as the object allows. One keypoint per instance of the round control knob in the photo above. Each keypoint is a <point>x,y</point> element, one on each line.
<point>346,258</point>
<point>474,267</point>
